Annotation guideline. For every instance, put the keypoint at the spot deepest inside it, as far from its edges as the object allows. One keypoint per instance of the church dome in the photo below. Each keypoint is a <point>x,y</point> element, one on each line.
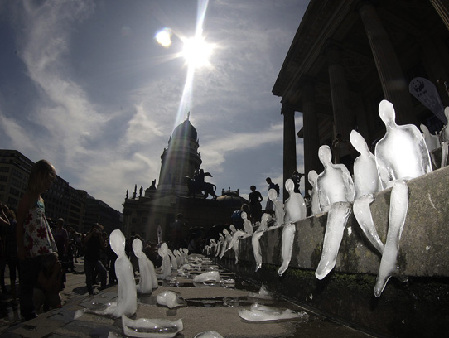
<point>185,130</point>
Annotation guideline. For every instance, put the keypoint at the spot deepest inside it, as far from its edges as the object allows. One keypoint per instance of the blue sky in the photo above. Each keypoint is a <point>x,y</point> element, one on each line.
<point>85,85</point>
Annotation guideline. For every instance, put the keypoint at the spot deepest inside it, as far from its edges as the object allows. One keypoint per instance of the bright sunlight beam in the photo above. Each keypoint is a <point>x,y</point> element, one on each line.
<point>196,51</point>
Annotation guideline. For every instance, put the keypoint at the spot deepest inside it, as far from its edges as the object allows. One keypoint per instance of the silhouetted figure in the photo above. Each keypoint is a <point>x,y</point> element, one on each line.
<point>255,207</point>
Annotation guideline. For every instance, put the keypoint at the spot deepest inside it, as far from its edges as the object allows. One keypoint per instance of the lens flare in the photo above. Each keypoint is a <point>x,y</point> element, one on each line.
<point>163,37</point>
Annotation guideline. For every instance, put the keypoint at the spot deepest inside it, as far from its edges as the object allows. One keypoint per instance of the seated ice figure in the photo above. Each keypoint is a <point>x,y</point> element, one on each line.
<point>148,278</point>
<point>367,183</point>
<point>312,176</point>
<point>432,141</point>
<point>256,237</point>
<point>295,210</point>
<point>127,292</point>
<point>445,140</point>
<point>335,191</point>
<point>247,226</point>
<point>401,155</point>
<point>227,242</point>
<point>278,208</point>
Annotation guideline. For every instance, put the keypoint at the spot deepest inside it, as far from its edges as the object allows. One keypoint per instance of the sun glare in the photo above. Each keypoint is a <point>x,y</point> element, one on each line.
<point>196,51</point>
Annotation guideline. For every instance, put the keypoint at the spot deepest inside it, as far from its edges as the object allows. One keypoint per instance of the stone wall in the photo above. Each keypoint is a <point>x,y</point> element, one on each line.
<point>415,303</point>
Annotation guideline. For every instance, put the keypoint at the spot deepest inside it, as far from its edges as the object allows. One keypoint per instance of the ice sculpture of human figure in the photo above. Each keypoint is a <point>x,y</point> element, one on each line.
<point>432,141</point>
<point>367,183</point>
<point>401,155</point>
<point>148,278</point>
<point>247,226</point>
<point>166,265</point>
<point>257,253</point>
<point>445,140</point>
<point>227,242</point>
<point>335,192</point>
<point>312,176</point>
<point>295,210</point>
<point>278,207</point>
<point>127,292</point>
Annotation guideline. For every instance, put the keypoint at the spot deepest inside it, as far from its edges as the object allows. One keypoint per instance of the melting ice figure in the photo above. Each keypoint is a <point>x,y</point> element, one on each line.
<point>278,207</point>
<point>210,276</point>
<point>247,226</point>
<point>235,243</point>
<point>148,278</point>
<point>262,313</point>
<point>256,237</point>
<point>445,140</point>
<point>312,176</point>
<point>170,299</point>
<point>401,155</point>
<point>335,191</point>
<point>295,210</point>
<point>151,327</point>
<point>166,265</point>
<point>367,183</point>
<point>127,293</point>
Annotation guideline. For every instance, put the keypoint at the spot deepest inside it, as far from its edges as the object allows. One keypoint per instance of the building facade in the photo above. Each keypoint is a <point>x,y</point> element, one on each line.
<point>345,58</point>
<point>76,207</point>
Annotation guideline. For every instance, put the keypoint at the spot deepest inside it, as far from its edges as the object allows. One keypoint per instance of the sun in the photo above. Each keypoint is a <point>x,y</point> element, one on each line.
<point>196,51</point>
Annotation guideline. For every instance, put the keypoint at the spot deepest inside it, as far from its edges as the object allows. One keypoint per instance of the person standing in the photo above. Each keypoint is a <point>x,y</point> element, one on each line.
<point>62,241</point>
<point>94,245</point>
<point>255,197</point>
<point>35,241</point>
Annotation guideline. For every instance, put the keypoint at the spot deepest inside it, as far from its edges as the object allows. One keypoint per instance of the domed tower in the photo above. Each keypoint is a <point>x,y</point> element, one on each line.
<point>179,159</point>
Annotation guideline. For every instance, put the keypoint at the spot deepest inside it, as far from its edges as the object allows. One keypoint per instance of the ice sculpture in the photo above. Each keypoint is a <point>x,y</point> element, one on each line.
<point>247,226</point>
<point>235,243</point>
<point>432,142</point>
<point>312,176</point>
<point>170,299</point>
<point>127,293</point>
<point>166,265</point>
<point>335,227</point>
<point>262,313</point>
<point>278,207</point>
<point>445,140</point>
<point>208,334</point>
<point>335,190</point>
<point>178,257</point>
<point>263,293</point>
<point>388,264</point>
<point>207,276</point>
<point>148,278</point>
<point>143,327</point>
<point>173,263</point>
<point>227,241</point>
<point>295,210</point>
<point>219,245</point>
<point>256,237</point>
<point>401,155</point>
<point>367,183</point>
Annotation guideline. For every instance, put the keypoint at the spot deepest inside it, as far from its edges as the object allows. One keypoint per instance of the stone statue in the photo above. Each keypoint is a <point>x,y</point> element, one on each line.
<point>335,192</point>
<point>127,293</point>
<point>197,184</point>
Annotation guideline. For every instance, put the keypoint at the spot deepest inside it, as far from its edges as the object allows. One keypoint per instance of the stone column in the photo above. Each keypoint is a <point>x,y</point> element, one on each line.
<point>289,148</point>
<point>343,115</point>
<point>310,132</point>
<point>391,76</point>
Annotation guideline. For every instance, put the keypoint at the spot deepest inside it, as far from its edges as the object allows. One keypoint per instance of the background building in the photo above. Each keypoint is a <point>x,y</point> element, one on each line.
<point>345,58</point>
<point>144,211</point>
<point>76,207</point>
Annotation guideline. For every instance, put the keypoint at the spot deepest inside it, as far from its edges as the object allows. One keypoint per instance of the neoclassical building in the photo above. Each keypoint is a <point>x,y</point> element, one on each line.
<point>345,58</point>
